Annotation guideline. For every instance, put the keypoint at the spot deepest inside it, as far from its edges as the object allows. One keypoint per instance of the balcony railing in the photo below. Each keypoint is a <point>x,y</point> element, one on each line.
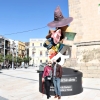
<point>1,46</point>
<point>2,52</point>
<point>7,47</point>
<point>2,43</point>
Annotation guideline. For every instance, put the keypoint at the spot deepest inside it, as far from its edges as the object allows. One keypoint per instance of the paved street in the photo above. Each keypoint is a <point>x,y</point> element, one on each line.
<point>22,84</point>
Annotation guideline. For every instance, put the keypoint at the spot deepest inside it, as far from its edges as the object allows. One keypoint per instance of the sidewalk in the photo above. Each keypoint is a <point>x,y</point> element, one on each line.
<point>22,84</point>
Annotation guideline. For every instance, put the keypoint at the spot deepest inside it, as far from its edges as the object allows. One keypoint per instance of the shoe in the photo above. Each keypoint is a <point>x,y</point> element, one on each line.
<point>55,96</point>
<point>59,97</point>
<point>48,97</point>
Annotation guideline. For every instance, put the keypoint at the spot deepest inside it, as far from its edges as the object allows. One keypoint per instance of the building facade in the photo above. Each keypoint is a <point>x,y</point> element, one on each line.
<point>37,52</point>
<point>26,49</point>
<point>21,49</point>
<point>4,46</point>
<point>18,48</point>
<point>13,47</point>
<point>86,23</point>
<point>86,19</point>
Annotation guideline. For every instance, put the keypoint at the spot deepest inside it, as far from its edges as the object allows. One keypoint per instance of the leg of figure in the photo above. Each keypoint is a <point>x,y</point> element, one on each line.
<point>48,94</point>
<point>55,86</point>
<point>47,87</point>
<point>58,87</point>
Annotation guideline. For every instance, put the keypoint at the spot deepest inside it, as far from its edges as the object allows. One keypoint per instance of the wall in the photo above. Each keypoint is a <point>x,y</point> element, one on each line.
<point>87,60</point>
<point>35,43</point>
<point>85,51</point>
<point>21,49</point>
<point>86,21</point>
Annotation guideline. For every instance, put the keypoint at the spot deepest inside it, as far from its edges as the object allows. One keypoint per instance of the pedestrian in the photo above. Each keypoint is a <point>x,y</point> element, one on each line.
<point>0,67</point>
<point>57,74</point>
<point>47,78</point>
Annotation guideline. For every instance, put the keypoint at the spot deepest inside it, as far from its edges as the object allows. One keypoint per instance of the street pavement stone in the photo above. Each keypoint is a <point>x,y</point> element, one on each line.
<point>23,84</point>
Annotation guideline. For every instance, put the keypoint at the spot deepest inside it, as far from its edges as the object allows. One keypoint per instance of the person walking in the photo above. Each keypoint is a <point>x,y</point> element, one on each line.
<point>47,77</point>
<point>57,74</point>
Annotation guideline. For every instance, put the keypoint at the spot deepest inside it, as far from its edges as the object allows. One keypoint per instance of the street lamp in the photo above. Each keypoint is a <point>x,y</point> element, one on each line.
<point>13,47</point>
<point>33,52</point>
<point>4,51</point>
<point>26,51</point>
<point>16,54</point>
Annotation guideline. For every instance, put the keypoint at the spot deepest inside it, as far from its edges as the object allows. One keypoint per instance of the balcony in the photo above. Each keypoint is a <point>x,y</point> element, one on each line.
<point>2,52</point>
<point>1,46</point>
<point>1,43</point>
<point>7,47</point>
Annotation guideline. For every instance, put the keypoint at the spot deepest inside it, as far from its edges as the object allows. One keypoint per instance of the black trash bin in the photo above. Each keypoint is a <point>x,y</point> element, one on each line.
<point>71,82</point>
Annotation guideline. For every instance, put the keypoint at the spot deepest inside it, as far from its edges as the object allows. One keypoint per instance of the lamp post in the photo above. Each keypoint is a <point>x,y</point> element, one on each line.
<point>16,55</point>
<point>13,47</point>
<point>4,51</point>
<point>25,53</point>
<point>33,52</point>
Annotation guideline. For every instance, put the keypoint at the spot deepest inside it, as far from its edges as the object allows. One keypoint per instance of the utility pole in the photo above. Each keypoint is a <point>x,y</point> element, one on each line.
<point>4,51</point>
<point>33,52</point>
<point>13,47</point>
<point>12,59</point>
<point>16,55</point>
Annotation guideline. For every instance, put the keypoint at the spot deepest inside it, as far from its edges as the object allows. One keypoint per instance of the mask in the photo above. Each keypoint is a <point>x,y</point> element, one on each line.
<point>49,64</point>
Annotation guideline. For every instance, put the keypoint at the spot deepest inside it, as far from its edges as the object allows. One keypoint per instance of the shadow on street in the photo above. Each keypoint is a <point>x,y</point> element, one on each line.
<point>19,77</point>
<point>26,71</point>
<point>91,88</point>
<point>1,98</point>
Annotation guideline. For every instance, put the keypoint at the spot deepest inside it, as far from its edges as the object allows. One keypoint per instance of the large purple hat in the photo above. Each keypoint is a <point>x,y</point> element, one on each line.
<point>59,19</point>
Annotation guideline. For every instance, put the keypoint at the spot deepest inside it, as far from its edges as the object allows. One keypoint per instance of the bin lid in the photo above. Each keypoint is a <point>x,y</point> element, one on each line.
<point>70,72</point>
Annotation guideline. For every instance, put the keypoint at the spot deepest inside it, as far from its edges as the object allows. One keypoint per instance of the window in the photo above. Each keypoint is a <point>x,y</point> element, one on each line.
<point>46,53</point>
<point>46,61</point>
<point>40,61</point>
<point>33,54</point>
<point>33,61</point>
<point>40,44</point>
<point>40,53</point>
<point>0,41</point>
<point>32,44</point>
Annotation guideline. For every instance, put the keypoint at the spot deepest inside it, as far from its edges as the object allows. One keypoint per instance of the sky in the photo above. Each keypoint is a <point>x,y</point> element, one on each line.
<point>23,15</point>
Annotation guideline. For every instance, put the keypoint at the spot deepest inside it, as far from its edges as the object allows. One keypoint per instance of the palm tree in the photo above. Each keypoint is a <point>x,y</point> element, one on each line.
<point>26,60</point>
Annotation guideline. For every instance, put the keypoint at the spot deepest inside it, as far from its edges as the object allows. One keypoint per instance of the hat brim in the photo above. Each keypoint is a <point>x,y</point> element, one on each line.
<point>61,23</point>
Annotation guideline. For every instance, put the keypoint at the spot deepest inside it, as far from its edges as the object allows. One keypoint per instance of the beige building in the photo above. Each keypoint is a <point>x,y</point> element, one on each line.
<point>37,52</point>
<point>86,23</point>
<point>21,49</point>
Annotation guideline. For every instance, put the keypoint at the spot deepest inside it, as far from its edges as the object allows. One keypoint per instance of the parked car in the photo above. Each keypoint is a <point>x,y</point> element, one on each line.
<point>41,67</point>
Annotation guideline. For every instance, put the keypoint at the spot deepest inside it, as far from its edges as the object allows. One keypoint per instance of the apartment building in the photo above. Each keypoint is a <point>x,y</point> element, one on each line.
<point>37,52</point>
<point>4,46</point>
<point>21,49</point>
<point>14,47</point>
<point>18,47</point>
<point>26,49</point>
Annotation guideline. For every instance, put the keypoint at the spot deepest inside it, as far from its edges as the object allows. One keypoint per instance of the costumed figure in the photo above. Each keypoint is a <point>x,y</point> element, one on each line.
<point>61,24</point>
